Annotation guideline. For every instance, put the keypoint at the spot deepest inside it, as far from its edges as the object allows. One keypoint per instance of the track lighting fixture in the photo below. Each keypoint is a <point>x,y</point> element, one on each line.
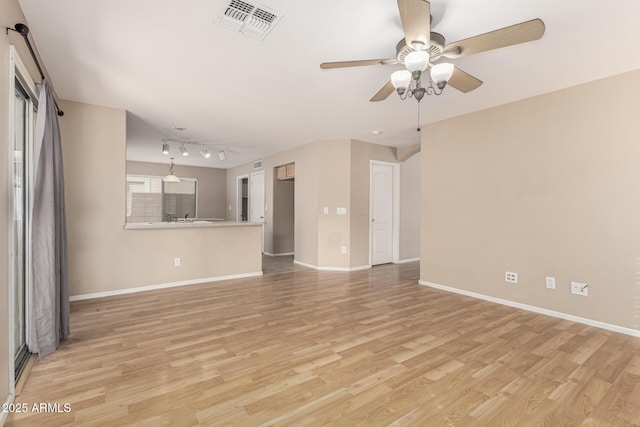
<point>205,153</point>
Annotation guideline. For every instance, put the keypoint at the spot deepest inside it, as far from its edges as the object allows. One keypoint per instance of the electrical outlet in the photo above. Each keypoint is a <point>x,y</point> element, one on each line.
<point>511,277</point>
<point>581,289</point>
<point>343,249</point>
<point>551,282</point>
<point>176,262</point>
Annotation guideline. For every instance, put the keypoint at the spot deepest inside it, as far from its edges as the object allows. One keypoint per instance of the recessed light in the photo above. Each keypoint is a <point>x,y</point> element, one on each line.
<point>179,128</point>
<point>376,132</point>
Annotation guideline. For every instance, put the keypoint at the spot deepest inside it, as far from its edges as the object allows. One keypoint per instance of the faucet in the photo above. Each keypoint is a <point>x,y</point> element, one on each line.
<point>170,217</point>
<point>186,216</point>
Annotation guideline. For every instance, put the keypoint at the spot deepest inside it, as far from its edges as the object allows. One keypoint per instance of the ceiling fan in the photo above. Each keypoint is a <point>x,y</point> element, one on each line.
<point>418,37</point>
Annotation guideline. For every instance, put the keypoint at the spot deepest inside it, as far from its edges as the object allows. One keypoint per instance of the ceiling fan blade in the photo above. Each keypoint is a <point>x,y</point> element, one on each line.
<point>416,22</point>
<point>507,36</point>
<point>462,81</point>
<point>383,93</point>
<point>342,64</point>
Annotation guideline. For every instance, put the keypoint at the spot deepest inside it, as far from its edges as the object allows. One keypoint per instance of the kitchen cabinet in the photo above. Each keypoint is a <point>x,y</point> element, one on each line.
<point>284,172</point>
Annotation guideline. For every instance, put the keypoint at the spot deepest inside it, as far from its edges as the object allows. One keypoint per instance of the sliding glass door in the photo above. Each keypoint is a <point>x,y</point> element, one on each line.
<point>23,108</point>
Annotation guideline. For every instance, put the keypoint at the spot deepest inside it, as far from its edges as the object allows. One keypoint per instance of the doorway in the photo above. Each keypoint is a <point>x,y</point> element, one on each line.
<point>283,216</point>
<point>257,200</point>
<point>384,213</point>
<point>242,207</point>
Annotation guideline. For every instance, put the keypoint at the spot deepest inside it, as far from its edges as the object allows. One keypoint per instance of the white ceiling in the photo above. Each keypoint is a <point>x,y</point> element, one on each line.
<point>169,63</point>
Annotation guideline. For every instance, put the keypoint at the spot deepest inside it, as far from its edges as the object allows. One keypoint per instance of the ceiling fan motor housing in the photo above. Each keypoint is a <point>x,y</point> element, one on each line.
<point>435,48</point>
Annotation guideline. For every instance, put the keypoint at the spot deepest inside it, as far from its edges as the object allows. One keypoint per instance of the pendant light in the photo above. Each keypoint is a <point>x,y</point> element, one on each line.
<point>171,177</point>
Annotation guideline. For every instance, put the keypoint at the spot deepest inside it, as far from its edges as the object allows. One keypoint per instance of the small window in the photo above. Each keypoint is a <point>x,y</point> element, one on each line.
<point>149,199</point>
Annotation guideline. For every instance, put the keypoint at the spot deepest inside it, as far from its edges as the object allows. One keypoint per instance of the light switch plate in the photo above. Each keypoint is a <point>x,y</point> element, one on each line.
<point>341,211</point>
<point>325,210</point>
<point>551,282</point>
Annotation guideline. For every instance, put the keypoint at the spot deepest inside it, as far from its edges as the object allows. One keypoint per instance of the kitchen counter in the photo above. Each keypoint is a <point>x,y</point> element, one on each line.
<point>188,224</point>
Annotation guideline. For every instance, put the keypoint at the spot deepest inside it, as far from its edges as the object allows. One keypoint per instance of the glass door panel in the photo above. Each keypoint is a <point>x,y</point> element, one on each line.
<point>18,181</point>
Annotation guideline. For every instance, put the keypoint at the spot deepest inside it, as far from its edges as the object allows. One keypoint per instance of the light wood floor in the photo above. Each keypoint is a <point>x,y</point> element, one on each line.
<point>308,348</point>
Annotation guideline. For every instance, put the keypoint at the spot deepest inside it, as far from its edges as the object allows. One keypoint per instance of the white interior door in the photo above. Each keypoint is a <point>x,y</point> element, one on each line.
<point>381,214</point>
<point>256,200</point>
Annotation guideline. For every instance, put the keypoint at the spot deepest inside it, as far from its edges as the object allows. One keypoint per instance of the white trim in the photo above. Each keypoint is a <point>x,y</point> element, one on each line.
<point>396,209</point>
<point>162,286</point>
<point>264,199</point>
<point>239,179</point>
<point>404,261</point>
<point>360,267</point>
<point>327,268</point>
<point>3,415</point>
<point>539,310</point>
<point>280,254</point>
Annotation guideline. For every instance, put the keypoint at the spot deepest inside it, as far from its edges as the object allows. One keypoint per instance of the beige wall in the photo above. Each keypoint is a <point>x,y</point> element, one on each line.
<point>305,198</point>
<point>10,14</point>
<point>321,179</point>
<point>410,208</point>
<point>105,257</point>
<point>547,186</point>
<point>334,174</point>
<point>212,184</point>
<point>334,191</point>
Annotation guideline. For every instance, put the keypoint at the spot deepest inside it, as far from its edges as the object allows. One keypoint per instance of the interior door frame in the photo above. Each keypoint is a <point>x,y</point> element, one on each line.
<point>395,229</point>
<point>239,179</point>
<point>17,71</point>
<point>264,197</point>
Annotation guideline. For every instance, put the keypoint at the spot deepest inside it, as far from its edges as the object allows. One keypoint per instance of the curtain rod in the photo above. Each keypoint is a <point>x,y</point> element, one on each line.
<point>23,30</point>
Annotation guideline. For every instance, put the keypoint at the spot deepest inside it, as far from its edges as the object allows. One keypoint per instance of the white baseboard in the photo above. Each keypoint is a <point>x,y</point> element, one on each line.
<point>162,286</point>
<point>360,267</point>
<point>533,308</point>
<point>3,415</point>
<point>403,261</point>
<point>325,268</point>
<point>282,254</point>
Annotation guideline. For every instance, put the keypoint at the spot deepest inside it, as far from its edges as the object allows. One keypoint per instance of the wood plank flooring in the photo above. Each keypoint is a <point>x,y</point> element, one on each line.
<point>310,348</point>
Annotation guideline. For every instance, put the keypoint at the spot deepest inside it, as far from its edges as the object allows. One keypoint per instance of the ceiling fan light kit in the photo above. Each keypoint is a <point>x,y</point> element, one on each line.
<point>421,49</point>
<point>441,73</point>
<point>417,61</point>
<point>401,80</point>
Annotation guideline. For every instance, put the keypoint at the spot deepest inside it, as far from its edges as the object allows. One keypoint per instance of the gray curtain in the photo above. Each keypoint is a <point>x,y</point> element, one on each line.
<point>49,293</point>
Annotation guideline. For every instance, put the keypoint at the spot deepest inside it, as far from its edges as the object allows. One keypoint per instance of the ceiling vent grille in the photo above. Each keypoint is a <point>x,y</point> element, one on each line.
<point>251,19</point>
<point>257,164</point>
